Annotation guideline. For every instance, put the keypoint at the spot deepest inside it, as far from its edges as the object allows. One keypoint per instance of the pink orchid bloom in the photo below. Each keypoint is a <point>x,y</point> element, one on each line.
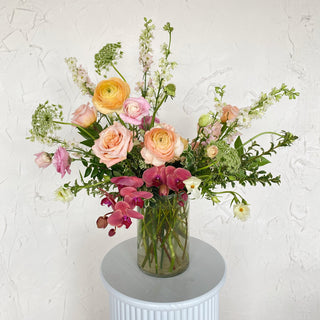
<point>166,178</point>
<point>126,181</point>
<point>156,177</point>
<point>62,161</point>
<point>134,197</point>
<point>176,178</point>
<point>108,200</point>
<point>184,198</point>
<point>122,214</point>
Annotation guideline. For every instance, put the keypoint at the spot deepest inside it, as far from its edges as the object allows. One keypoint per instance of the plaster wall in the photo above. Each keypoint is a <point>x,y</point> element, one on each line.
<point>50,252</point>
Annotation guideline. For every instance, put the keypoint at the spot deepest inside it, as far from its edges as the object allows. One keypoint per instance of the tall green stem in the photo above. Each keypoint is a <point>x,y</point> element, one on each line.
<point>75,125</point>
<point>258,135</point>
<point>118,72</point>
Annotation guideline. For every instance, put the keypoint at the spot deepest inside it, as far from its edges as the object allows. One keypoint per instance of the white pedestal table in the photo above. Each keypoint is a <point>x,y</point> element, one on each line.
<point>192,295</point>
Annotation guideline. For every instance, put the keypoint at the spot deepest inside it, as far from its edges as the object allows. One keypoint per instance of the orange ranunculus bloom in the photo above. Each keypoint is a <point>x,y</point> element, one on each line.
<point>110,94</point>
<point>161,144</point>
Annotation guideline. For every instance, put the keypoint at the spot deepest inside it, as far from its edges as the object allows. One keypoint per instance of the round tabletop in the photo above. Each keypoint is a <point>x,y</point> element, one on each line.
<point>205,274</point>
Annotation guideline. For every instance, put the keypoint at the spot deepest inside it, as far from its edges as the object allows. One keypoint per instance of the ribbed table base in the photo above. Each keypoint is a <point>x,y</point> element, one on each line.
<point>201,310</point>
<point>191,295</point>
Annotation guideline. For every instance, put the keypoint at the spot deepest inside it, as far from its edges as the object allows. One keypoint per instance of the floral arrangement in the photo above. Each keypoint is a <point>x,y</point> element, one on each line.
<point>132,159</point>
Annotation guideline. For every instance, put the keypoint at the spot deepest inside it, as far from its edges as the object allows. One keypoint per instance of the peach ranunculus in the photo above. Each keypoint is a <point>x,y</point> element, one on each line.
<point>110,94</point>
<point>229,113</point>
<point>161,144</point>
<point>84,116</point>
<point>113,145</point>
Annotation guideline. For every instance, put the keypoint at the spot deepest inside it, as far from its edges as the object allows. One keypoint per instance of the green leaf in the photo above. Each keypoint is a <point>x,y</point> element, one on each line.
<point>87,172</point>
<point>261,161</point>
<point>94,172</point>
<point>239,146</point>
<point>84,162</point>
<point>88,143</point>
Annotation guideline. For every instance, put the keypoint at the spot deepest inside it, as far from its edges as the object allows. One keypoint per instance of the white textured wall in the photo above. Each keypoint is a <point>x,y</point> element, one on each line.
<point>50,253</point>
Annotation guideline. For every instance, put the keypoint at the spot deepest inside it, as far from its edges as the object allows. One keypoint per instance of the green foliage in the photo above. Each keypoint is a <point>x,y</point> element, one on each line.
<point>219,93</point>
<point>107,57</point>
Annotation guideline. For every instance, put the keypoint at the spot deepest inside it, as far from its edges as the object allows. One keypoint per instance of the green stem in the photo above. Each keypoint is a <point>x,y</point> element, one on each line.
<point>118,72</point>
<point>206,167</point>
<point>173,255</point>
<point>91,185</point>
<point>76,125</point>
<point>258,135</point>
<point>233,193</point>
<point>121,121</point>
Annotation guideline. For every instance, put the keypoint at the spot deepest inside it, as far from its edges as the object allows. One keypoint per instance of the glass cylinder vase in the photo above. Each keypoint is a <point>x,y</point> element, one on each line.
<point>163,237</point>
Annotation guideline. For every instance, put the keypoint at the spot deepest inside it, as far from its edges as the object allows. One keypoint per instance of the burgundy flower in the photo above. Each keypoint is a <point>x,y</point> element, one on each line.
<point>126,181</point>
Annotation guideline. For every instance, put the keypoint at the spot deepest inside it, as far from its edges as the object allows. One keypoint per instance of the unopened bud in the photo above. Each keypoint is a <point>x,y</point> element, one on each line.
<point>204,120</point>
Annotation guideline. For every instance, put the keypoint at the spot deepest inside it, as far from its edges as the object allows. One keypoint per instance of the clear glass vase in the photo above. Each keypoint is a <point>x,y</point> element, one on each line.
<point>163,237</point>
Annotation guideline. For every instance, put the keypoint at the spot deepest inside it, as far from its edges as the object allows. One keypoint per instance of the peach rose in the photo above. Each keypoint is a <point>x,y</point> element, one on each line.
<point>212,151</point>
<point>229,113</point>
<point>113,145</point>
<point>84,116</point>
<point>110,94</point>
<point>161,144</point>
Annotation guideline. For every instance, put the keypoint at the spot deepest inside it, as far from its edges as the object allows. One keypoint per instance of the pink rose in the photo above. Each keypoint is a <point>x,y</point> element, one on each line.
<point>134,109</point>
<point>62,161</point>
<point>84,116</point>
<point>229,113</point>
<point>161,144</point>
<point>113,145</point>
<point>43,159</point>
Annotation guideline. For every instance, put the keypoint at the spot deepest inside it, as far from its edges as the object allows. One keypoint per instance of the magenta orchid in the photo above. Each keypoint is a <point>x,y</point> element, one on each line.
<point>126,181</point>
<point>134,197</point>
<point>175,179</point>
<point>108,200</point>
<point>122,214</point>
<point>123,210</point>
<point>166,178</point>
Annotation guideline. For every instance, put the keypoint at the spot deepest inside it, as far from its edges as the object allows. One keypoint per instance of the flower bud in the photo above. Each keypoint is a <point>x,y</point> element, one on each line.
<point>170,90</point>
<point>204,120</point>
<point>43,159</point>
<point>102,222</point>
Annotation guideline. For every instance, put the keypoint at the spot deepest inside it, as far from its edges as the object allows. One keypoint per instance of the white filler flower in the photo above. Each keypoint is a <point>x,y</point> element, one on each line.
<point>192,184</point>
<point>241,211</point>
